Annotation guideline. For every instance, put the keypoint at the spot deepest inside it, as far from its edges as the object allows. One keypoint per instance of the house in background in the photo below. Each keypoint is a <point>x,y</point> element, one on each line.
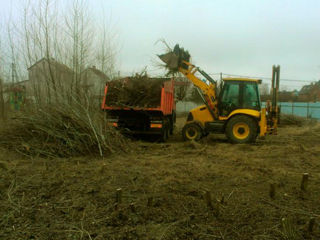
<point>47,75</point>
<point>94,81</point>
<point>310,93</point>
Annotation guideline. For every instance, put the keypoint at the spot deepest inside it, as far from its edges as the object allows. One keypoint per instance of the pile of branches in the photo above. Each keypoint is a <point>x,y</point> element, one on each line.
<point>136,91</point>
<point>61,130</point>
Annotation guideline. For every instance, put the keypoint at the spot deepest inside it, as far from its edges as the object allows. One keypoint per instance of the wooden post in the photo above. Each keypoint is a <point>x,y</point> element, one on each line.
<point>217,209</point>
<point>119,195</point>
<point>132,208</point>
<point>308,110</point>
<point>311,224</point>
<point>272,190</point>
<point>222,199</point>
<point>207,198</point>
<point>304,181</point>
<point>150,201</point>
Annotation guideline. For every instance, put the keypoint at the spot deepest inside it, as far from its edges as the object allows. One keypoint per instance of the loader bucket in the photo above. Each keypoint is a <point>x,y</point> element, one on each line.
<point>176,58</point>
<point>170,59</point>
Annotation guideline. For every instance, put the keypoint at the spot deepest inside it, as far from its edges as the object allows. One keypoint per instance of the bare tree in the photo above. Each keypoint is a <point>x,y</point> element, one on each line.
<point>65,39</point>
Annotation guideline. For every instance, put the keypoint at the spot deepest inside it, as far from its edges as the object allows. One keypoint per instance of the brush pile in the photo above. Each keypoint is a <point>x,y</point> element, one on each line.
<point>61,131</point>
<point>137,91</point>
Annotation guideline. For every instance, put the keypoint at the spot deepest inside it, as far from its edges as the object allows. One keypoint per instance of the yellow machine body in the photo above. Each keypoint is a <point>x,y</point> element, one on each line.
<point>236,111</point>
<point>201,116</point>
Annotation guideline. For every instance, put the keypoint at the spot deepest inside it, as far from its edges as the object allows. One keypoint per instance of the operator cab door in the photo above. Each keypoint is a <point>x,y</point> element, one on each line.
<point>238,95</point>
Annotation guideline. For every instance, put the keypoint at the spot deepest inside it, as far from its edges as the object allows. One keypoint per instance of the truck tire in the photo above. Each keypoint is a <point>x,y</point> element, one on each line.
<point>172,122</point>
<point>242,129</point>
<point>164,134</point>
<point>191,131</point>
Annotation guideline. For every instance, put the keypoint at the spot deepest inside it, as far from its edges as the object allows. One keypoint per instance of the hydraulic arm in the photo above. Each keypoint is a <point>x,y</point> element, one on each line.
<point>178,60</point>
<point>208,90</point>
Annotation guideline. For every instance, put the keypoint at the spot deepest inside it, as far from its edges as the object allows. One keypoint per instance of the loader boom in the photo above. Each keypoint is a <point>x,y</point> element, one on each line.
<point>208,90</point>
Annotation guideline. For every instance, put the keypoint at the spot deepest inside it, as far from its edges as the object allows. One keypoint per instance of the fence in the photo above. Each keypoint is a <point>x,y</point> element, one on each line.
<point>302,109</point>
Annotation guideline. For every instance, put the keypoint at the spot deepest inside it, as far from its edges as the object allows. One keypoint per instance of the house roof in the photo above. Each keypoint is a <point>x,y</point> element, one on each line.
<point>54,62</point>
<point>99,73</point>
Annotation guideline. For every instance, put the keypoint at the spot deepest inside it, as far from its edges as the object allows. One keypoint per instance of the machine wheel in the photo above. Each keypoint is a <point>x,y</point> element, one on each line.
<point>191,131</point>
<point>242,129</point>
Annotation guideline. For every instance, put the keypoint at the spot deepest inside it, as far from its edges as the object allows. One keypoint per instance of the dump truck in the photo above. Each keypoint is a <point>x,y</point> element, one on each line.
<point>235,111</point>
<point>156,119</point>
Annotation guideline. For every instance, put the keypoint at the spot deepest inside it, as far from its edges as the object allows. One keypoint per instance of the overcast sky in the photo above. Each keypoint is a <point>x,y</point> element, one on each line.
<point>238,37</point>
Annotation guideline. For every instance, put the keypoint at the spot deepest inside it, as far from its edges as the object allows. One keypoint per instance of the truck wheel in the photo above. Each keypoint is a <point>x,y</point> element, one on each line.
<point>172,122</point>
<point>242,129</point>
<point>191,131</point>
<point>164,134</point>
<point>171,127</point>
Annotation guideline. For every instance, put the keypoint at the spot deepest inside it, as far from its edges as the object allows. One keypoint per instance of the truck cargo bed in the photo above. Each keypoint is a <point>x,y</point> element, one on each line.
<point>144,120</point>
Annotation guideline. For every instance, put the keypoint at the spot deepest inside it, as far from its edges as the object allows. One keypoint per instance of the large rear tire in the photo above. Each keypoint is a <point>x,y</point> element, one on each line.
<point>191,131</point>
<point>242,129</point>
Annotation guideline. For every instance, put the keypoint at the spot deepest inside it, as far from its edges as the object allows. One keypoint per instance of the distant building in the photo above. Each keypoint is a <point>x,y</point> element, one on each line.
<point>46,76</point>
<point>49,76</point>
<point>310,92</point>
<point>94,81</point>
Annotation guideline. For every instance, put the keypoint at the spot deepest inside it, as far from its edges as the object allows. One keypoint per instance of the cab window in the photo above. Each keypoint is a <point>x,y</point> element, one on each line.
<point>250,96</point>
<point>231,94</point>
<point>229,100</point>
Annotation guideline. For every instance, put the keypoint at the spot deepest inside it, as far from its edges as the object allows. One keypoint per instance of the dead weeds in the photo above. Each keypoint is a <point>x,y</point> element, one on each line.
<point>164,192</point>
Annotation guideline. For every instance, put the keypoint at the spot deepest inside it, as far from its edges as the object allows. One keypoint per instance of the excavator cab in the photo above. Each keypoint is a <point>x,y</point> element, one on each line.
<point>239,93</point>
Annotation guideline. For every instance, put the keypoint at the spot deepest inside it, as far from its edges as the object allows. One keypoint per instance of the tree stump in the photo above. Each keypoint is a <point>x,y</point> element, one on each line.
<point>272,190</point>
<point>119,195</point>
<point>304,181</point>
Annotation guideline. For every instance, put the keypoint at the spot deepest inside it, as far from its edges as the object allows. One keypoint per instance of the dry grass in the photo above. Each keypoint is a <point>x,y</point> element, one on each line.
<point>292,120</point>
<point>164,192</point>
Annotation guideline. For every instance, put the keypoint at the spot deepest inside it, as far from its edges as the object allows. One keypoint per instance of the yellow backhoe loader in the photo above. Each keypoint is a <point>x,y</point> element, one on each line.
<point>236,111</point>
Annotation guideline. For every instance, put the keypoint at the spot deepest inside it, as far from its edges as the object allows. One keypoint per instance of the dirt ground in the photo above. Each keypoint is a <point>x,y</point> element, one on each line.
<point>174,190</point>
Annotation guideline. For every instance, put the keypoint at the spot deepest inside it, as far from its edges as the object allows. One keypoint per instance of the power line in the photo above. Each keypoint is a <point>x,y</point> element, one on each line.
<point>282,79</point>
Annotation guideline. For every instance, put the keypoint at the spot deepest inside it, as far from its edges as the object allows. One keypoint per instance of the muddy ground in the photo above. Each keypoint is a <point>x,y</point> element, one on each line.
<point>161,191</point>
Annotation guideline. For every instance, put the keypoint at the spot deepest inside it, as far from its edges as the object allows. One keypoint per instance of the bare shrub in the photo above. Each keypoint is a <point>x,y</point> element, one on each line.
<point>62,130</point>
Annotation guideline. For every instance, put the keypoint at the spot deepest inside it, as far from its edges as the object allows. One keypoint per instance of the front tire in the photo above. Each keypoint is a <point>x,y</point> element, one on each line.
<point>191,131</point>
<point>242,129</point>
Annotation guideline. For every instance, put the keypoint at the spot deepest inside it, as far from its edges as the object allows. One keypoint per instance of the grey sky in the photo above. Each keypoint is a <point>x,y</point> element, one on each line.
<point>239,37</point>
